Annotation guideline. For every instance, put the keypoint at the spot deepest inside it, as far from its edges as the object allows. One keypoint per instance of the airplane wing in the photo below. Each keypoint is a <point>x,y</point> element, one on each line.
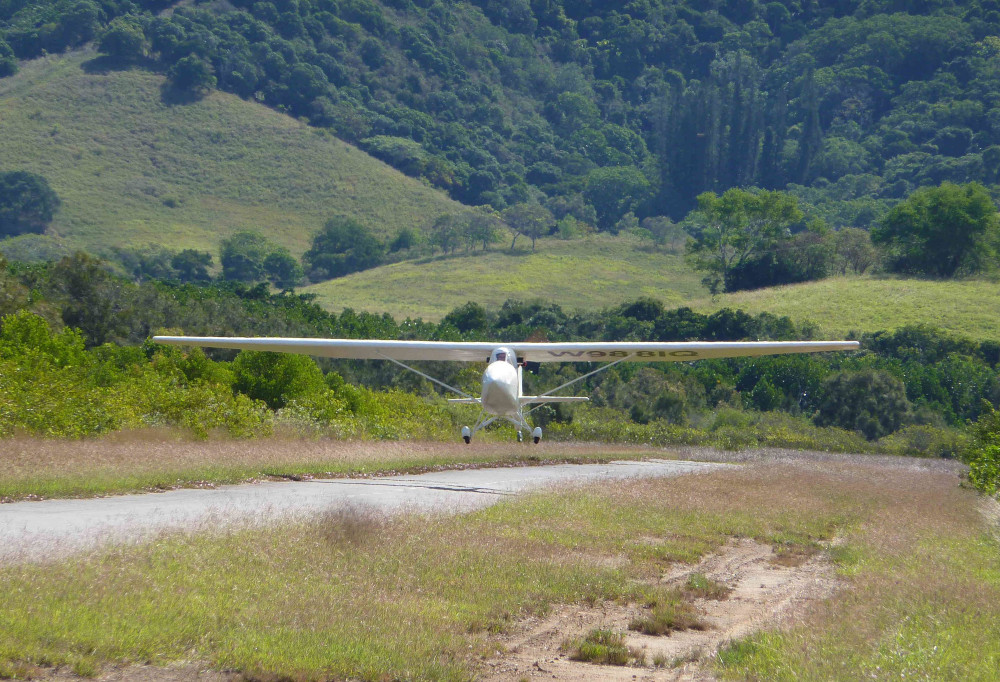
<point>475,351</point>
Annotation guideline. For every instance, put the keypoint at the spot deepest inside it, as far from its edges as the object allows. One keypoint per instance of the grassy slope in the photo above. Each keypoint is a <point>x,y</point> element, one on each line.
<point>599,272</point>
<point>115,152</point>
<point>585,274</point>
<point>839,305</point>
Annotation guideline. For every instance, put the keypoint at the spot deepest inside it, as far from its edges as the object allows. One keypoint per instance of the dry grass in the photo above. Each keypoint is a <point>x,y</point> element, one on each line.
<point>368,597</point>
<point>33,468</point>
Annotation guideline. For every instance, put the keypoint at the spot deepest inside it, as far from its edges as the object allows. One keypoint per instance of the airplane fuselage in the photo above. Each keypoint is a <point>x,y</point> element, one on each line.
<point>501,389</point>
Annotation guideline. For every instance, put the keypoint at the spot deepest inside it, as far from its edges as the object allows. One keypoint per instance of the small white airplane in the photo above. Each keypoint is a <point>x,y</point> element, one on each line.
<point>502,396</point>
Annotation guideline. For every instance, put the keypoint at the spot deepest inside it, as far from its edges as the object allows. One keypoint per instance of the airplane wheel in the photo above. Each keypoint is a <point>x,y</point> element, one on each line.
<point>467,439</point>
<point>466,434</point>
<point>520,436</point>
<point>536,440</point>
<point>536,435</point>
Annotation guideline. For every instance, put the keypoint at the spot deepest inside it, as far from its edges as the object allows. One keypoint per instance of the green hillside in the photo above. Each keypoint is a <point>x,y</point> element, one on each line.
<point>600,271</point>
<point>132,169</point>
<point>587,274</point>
<point>839,305</point>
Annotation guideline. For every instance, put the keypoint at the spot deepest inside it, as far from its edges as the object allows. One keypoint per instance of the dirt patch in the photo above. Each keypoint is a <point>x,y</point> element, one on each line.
<point>764,593</point>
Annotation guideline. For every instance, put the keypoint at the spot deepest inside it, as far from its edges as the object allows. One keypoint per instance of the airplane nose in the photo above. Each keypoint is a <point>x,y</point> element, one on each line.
<point>500,388</point>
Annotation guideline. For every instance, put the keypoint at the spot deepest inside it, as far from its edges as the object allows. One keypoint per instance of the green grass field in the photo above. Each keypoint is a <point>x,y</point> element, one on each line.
<point>132,169</point>
<point>601,271</point>
<point>840,304</point>
<point>588,274</point>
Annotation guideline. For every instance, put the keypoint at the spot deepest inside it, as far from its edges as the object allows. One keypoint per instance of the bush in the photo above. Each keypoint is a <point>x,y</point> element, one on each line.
<point>343,246</point>
<point>872,402</point>
<point>983,455</point>
<point>27,203</point>
<point>276,378</point>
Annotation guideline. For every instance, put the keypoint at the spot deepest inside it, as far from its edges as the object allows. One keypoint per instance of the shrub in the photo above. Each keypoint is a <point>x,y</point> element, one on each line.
<point>27,203</point>
<point>872,402</point>
<point>276,378</point>
<point>983,455</point>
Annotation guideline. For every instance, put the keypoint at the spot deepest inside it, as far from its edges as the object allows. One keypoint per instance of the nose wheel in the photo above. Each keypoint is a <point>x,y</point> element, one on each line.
<point>536,435</point>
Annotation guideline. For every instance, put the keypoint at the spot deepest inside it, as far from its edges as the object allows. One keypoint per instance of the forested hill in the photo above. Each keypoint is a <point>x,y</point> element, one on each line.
<point>596,108</point>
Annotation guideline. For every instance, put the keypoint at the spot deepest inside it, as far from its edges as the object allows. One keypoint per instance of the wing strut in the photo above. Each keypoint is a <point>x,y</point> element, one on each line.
<point>580,378</point>
<point>426,376</point>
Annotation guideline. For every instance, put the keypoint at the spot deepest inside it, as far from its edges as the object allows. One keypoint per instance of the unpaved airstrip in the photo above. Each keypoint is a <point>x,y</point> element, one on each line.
<point>52,528</point>
<point>764,589</point>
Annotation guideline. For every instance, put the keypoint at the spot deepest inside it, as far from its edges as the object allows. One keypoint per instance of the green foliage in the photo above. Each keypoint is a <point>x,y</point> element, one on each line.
<point>276,378</point>
<point>343,246</point>
<point>282,269</point>
<point>191,265</point>
<point>50,386</point>
<point>251,257</point>
<point>531,220</point>
<point>941,231</point>
<point>854,251</point>
<point>871,402</point>
<point>8,62</point>
<point>983,453</point>
<point>27,203</point>
<point>191,75</point>
<point>735,231</point>
<point>124,39</point>
<point>613,192</point>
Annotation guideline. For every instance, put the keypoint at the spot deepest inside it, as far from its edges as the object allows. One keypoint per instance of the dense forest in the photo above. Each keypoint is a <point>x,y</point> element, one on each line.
<point>595,109</point>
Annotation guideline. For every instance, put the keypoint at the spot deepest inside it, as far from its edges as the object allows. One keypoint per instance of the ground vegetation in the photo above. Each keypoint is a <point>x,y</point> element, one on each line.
<point>938,381</point>
<point>197,596</point>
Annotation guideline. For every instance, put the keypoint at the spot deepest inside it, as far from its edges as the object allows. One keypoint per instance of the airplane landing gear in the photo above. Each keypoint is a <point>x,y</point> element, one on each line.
<point>466,434</point>
<point>520,435</point>
<point>536,435</point>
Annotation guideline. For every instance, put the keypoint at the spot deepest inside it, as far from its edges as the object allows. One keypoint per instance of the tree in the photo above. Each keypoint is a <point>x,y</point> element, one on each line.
<point>941,231</point>
<point>27,203</point>
<point>470,317</point>
<point>281,268</point>
<point>242,256</point>
<point>483,225</point>
<point>854,249</point>
<point>530,220</point>
<point>343,246</point>
<point>613,192</point>
<point>124,39</point>
<point>736,228</point>
<point>872,402</point>
<point>405,240</point>
<point>191,75</point>
<point>192,265</point>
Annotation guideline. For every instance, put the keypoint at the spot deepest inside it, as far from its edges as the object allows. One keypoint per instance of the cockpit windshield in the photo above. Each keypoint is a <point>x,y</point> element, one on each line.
<point>502,355</point>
